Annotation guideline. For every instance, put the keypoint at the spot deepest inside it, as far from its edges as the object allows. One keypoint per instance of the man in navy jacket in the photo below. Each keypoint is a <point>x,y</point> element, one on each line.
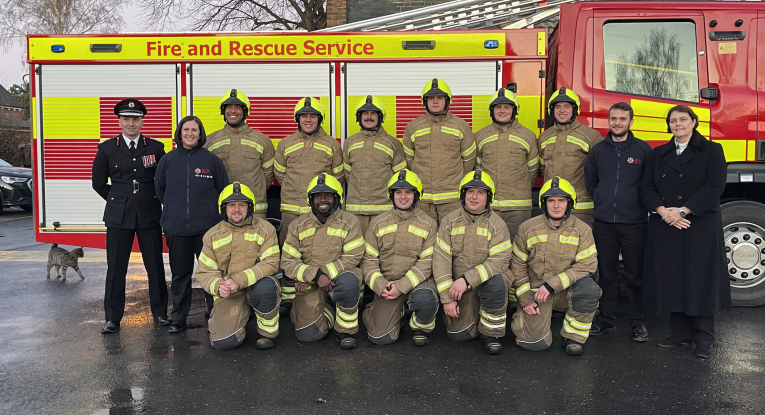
<point>188,182</point>
<point>613,173</point>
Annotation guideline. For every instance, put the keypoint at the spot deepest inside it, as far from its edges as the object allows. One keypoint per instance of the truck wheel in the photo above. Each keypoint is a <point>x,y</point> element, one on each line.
<point>744,233</point>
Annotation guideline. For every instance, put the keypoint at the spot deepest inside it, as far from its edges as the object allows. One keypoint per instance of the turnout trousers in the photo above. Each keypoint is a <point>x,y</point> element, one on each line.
<point>382,317</point>
<point>482,310</point>
<point>119,243</point>
<point>229,316</point>
<point>314,317</point>
<point>578,301</point>
<point>437,212</point>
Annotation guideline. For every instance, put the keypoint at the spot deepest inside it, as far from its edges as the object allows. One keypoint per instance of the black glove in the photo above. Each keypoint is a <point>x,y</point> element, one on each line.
<point>319,273</point>
<point>550,289</point>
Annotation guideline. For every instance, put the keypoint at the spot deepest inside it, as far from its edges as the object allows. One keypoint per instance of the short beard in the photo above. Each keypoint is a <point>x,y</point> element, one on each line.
<point>619,136</point>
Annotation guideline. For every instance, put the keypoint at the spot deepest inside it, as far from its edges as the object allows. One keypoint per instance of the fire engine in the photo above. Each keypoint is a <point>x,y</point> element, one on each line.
<point>652,55</point>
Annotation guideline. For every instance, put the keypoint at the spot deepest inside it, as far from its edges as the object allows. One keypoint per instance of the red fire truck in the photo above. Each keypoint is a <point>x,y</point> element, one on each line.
<point>653,55</point>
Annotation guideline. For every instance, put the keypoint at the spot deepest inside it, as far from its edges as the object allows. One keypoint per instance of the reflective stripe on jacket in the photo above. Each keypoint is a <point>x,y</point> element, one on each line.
<point>512,160</point>
<point>399,249</point>
<point>559,257</point>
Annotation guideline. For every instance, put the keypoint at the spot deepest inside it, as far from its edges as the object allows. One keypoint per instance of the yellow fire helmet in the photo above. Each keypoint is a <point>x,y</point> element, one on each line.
<point>370,103</point>
<point>477,179</point>
<point>405,179</point>
<point>436,87</point>
<point>235,97</point>
<point>557,187</point>
<point>564,95</point>
<point>325,183</point>
<point>504,96</point>
<point>309,105</point>
<point>233,193</point>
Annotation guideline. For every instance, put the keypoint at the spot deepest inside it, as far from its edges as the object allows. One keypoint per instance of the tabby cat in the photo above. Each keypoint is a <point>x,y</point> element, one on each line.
<point>61,258</point>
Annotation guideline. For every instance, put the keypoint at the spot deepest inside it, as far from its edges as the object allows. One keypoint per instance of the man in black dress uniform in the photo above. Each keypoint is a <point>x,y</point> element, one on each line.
<point>132,208</point>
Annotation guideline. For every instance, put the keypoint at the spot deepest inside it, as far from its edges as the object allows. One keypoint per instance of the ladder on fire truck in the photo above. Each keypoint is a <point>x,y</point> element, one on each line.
<point>462,15</point>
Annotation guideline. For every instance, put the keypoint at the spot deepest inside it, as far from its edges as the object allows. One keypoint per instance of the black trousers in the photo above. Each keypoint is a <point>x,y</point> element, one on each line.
<point>119,243</point>
<point>182,249</point>
<point>699,329</point>
<point>629,240</point>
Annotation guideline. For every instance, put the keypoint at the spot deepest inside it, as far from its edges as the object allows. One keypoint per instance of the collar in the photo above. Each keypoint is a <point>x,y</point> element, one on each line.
<point>128,141</point>
<point>569,126</point>
<point>566,222</point>
<point>444,118</point>
<point>467,216</point>
<point>318,134</point>
<point>610,139</point>
<point>236,130</point>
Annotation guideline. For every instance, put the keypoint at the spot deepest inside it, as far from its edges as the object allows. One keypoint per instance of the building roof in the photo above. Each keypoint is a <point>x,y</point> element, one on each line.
<point>8,123</point>
<point>7,100</point>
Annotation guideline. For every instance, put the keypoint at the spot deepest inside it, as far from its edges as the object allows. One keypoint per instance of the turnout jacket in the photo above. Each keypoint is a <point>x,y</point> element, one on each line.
<point>369,162</point>
<point>131,202</point>
<point>563,150</point>
<point>245,253</point>
<point>559,257</point>
<point>441,153</point>
<point>511,158</point>
<point>334,247</point>
<point>477,249</point>
<point>398,248</point>
<point>188,182</point>
<point>249,159</point>
<point>299,158</point>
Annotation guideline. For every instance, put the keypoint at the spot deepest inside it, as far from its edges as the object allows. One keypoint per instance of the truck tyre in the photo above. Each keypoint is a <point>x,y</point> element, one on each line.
<point>744,233</point>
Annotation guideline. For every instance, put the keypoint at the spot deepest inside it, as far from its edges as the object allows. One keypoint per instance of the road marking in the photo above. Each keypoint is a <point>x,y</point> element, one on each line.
<point>20,217</point>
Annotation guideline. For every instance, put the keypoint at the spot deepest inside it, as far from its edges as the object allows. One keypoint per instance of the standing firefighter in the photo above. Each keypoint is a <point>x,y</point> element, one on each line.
<point>123,175</point>
<point>248,155</point>
<point>472,255</point>
<point>554,257</point>
<point>397,265</point>
<point>321,254</point>
<point>299,158</point>
<point>563,148</point>
<point>440,149</point>
<point>507,151</point>
<point>239,258</point>
<point>371,158</point>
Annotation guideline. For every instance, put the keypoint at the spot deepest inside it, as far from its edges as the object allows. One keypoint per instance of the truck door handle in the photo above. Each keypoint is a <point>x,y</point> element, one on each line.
<point>709,93</point>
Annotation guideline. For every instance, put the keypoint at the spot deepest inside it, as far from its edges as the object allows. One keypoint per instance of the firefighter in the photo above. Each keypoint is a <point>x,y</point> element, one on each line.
<point>440,149</point>
<point>321,254</point>
<point>248,155</point>
<point>299,158</point>
<point>563,148</point>
<point>470,265</point>
<point>240,256</point>
<point>507,151</point>
<point>397,265</point>
<point>554,257</point>
<point>371,158</point>
<point>123,175</point>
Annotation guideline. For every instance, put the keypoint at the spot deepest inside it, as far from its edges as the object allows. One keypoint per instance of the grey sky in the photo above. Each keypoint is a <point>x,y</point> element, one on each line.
<point>12,69</point>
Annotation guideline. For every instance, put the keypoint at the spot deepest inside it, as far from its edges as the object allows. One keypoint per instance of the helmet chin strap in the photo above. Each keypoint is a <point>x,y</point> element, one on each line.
<point>316,212</point>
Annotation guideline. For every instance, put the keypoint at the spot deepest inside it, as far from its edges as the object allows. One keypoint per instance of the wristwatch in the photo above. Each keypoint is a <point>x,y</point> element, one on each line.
<point>682,213</point>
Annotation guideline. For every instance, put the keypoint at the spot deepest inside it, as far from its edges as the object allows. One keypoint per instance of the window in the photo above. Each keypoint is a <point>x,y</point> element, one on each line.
<point>655,59</point>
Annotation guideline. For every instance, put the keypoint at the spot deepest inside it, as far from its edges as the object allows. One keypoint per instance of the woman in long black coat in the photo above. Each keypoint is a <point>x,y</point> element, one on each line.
<point>685,269</point>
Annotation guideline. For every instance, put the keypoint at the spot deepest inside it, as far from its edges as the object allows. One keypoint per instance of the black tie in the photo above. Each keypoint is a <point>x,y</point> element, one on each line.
<point>132,147</point>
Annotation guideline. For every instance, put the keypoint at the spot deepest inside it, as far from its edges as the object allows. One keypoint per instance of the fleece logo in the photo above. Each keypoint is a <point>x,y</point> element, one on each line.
<point>634,161</point>
<point>203,173</point>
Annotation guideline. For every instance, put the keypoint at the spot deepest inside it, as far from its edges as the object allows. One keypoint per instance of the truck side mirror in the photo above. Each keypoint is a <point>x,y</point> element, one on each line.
<point>512,87</point>
<point>709,93</point>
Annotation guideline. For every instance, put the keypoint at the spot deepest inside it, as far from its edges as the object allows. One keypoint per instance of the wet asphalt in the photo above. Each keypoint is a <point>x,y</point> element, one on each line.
<point>54,360</point>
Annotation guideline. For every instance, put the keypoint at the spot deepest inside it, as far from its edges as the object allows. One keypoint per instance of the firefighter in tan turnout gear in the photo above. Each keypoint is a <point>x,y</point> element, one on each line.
<point>371,158</point>
<point>248,155</point>
<point>554,257</point>
<point>440,149</point>
<point>507,151</point>
<point>397,265</point>
<point>472,254</point>
<point>321,254</point>
<point>239,258</point>
<point>563,149</point>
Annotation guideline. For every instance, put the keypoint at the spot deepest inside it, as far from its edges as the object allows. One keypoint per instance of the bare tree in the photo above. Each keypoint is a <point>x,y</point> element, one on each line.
<point>22,17</point>
<point>238,15</point>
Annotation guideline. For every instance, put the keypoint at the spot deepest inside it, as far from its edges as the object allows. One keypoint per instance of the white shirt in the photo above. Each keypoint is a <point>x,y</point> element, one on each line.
<point>128,141</point>
<point>680,147</point>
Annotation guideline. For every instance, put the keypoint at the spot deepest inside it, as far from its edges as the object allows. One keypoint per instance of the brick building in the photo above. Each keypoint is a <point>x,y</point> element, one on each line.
<point>350,11</point>
<point>15,131</point>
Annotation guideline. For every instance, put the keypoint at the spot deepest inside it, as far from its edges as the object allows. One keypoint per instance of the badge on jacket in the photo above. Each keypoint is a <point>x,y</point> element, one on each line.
<point>205,173</point>
<point>634,161</point>
<point>149,161</point>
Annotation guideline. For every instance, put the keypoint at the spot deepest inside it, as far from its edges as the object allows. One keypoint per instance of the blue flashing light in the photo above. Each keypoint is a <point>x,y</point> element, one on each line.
<point>491,44</point>
<point>57,48</point>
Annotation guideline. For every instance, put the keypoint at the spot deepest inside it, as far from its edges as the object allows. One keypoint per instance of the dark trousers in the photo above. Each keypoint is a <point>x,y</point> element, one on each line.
<point>699,329</point>
<point>629,240</point>
<point>183,250</point>
<point>119,243</point>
